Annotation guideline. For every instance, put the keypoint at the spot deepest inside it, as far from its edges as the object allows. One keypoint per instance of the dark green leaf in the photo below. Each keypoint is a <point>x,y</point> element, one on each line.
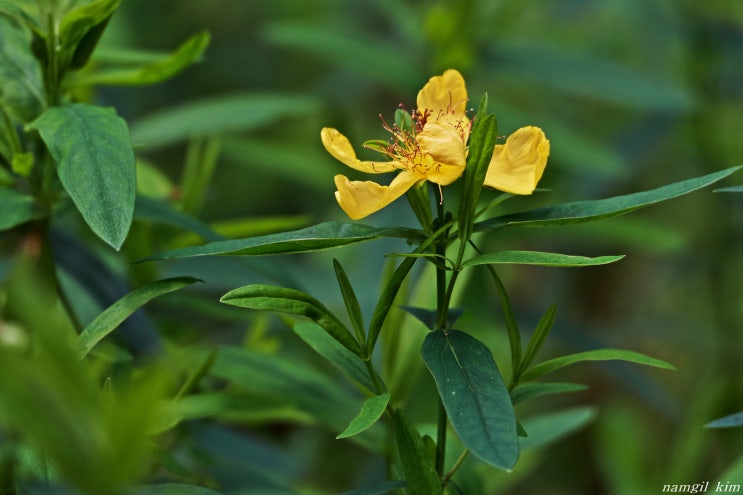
<point>291,301</point>
<point>322,236</point>
<point>417,465</point>
<point>159,211</point>
<point>329,348</point>
<point>551,427</point>
<point>474,395</point>
<point>546,367</point>
<point>538,258</point>
<point>174,489</point>
<point>429,317</point>
<point>119,311</point>
<point>481,145</point>
<point>586,211</point>
<point>80,20</point>
<point>240,112</point>
<point>16,208</point>
<point>350,300</point>
<point>512,325</point>
<point>532,390</point>
<point>20,76</point>
<point>538,337</point>
<point>95,163</point>
<point>151,72</point>
<point>371,410</point>
<point>731,421</point>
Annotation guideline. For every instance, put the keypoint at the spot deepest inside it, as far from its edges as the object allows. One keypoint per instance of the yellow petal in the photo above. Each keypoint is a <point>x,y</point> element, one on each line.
<point>517,165</point>
<point>362,198</point>
<point>338,145</point>
<point>444,96</point>
<point>443,142</point>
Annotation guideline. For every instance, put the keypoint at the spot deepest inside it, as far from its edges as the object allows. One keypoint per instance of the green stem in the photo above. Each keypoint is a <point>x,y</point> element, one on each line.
<point>456,465</point>
<point>442,313</point>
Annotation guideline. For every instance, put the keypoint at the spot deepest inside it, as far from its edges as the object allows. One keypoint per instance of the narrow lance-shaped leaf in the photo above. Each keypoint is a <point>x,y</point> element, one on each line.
<point>173,489</point>
<point>482,143</point>
<point>474,395</point>
<point>328,347</point>
<point>586,211</point>
<point>322,236</point>
<point>371,410</point>
<point>730,421</point>
<point>538,337</point>
<point>418,467</point>
<point>294,302</point>
<point>349,298</point>
<point>551,365</point>
<point>151,72</point>
<point>95,163</point>
<point>539,258</point>
<point>532,390</point>
<point>108,320</point>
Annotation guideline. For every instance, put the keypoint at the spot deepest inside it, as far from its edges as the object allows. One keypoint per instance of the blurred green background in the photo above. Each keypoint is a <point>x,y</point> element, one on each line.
<point>632,95</point>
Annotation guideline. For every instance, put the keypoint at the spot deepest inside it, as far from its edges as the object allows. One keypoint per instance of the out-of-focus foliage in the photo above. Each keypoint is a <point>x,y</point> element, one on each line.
<point>631,94</point>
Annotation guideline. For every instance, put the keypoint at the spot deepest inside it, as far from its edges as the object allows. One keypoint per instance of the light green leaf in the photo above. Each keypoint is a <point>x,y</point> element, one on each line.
<point>539,258</point>
<point>174,489</point>
<point>151,72</point>
<point>731,421</point>
<point>119,311</point>
<point>80,20</point>
<point>531,390</point>
<point>474,395</point>
<point>371,410</point>
<point>95,163</point>
<point>586,211</point>
<point>240,112</point>
<point>417,465</point>
<point>329,348</point>
<point>551,427</point>
<point>244,408</point>
<point>294,302</point>
<point>731,189</point>
<point>551,365</point>
<point>383,489</point>
<point>16,208</point>
<point>20,76</point>
<point>322,236</point>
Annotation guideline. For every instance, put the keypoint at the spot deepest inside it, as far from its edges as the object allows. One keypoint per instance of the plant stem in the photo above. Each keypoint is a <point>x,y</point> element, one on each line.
<point>442,312</point>
<point>456,465</point>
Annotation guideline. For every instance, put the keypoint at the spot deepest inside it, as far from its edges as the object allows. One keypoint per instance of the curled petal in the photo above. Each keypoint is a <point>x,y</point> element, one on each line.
<point>362,198</point>
<point>444,143</point>
<point>444,97</point>
<point>338,145</point>
<point>517,165</point>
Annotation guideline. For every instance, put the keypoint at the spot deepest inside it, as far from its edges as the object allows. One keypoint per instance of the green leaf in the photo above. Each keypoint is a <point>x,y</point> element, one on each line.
<point>538,258</point>
<point>417,465</point>
<point>20,76</point>
<point>240,112</point>
<point>538,337</point>
<point>95,163</point>
<point>371,410</point>
<point>119,311</point>
<point>80,20</point>
<point>731,189</point>
<point>429,317</point>
<point>586,211</point>
<point>159,211</point>
<point>551,427</point>
<point>322,236</point>
<point>244,408</point>
<point>474,395</point>
<point>551,365</point>
<point>174,489</point>
<point>151,72</point>
<point>349,299</point>
<point>291,301</point>
<point>481,145</point>
<point>531,390</point>
<point>329,348</point>
<point>16,208</point>
<point>730,421</point>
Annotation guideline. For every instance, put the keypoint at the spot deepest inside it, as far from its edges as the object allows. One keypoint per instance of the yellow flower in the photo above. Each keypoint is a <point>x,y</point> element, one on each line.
<point>435,150</point>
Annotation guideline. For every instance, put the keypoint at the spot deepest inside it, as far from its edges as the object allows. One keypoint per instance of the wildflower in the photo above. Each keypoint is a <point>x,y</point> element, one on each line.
<point>433,147</point>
